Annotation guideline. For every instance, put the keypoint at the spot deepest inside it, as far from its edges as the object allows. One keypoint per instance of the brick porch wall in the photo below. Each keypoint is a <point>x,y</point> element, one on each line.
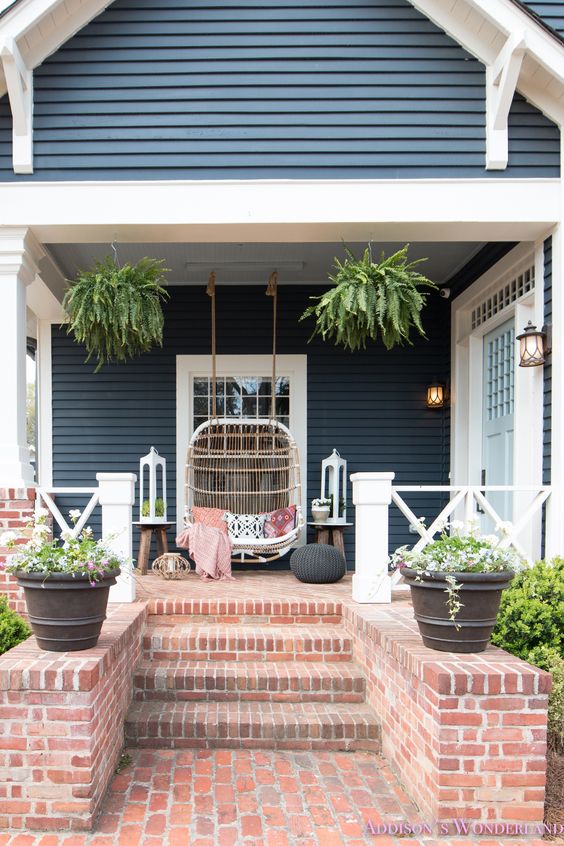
<point>466,734</point>
<point>16,509</point>
<point>61,725</point>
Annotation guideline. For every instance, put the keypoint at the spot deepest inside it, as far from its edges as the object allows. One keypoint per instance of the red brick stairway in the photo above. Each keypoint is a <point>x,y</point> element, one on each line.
<point>252,673</point>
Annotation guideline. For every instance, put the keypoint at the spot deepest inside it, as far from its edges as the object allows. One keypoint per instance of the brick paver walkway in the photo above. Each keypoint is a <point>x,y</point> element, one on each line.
<point>250,798</point>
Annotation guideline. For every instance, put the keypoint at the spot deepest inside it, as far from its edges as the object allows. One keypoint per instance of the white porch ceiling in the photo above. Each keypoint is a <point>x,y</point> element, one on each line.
<point>251,263</point>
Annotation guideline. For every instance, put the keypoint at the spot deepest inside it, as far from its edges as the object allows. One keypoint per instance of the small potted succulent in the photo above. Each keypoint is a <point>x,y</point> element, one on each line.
<point>456,584</point>
<point>320,510</point>
<point>66,583</point>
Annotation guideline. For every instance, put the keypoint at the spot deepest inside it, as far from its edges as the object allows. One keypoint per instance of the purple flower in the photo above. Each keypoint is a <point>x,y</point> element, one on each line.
<point>91,565</point>
<point>92,584</point>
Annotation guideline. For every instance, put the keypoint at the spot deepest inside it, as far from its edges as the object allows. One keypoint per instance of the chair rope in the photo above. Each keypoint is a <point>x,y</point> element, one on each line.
<point>272,291</point>
<point>210,291</point>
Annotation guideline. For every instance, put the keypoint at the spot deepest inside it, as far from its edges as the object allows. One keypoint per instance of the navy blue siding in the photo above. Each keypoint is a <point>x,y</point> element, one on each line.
<point>551,12</point>
<point>324,89</point>
<point>547,369</point>
<point>369,405</point>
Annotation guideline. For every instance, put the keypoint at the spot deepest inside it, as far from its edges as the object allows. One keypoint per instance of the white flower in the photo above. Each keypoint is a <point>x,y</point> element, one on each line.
<point>505,527</point>
<point>456,526</point>
<point>493,539</point>
<point>74,514</point>
<point>67,535</point>
<point>87,532</point>
<point>7,539</point>
<point>41,512</point>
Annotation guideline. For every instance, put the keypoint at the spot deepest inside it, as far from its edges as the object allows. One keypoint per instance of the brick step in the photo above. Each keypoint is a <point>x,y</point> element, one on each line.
<point>246,643</point>
<point>245,619</point>
<point>274,611</point>
<point>277,681</point>
<point>252,725</point>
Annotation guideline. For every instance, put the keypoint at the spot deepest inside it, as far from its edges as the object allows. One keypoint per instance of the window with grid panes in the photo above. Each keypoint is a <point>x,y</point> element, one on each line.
<point>240,398</point>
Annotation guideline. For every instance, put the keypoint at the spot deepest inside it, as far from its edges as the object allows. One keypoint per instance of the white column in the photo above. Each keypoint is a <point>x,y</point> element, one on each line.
<point>18,255</point>
<point>372,496</point>
<point>117,495</point>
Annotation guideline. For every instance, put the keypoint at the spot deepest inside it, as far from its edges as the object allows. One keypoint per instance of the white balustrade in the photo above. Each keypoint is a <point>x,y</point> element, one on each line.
<point>115,494</point>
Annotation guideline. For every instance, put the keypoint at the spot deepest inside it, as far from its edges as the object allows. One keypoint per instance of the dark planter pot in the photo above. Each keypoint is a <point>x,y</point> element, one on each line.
<point>480,596</point>
<point>65,612</point>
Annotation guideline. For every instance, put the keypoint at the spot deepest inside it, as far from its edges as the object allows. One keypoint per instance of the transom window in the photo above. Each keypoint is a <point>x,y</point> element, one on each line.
<point>239,397</point>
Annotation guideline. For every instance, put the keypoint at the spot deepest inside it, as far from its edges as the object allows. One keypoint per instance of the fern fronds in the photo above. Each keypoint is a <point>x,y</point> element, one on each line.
<point>370,300</point>
<point>116,311</point>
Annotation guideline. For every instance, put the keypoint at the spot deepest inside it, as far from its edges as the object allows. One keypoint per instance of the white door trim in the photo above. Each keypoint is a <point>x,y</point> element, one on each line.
<point>294,366</point>
<point>467,377</point>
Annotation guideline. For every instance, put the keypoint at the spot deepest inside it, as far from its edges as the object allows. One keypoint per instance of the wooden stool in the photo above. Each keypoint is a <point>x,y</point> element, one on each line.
<point>331,533</point>
<point>147,530</point>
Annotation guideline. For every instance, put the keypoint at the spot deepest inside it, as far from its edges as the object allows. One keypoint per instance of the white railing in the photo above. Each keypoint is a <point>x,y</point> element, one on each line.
<point>45,498</point>
<point>115,494</point>
<point>468,497</point>
<point>373,494</point>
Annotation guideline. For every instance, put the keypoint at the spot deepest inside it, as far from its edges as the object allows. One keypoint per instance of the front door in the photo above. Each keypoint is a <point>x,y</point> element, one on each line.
<point>498,412</point>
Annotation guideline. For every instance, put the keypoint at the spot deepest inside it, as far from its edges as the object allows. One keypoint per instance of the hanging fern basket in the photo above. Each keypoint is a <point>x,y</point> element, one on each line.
<point>371,300</point>
<point>116,312</point>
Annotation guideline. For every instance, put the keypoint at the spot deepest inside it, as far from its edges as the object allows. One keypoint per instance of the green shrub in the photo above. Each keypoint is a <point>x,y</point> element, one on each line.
<point>556,702</point>
<point>531,616</point>
<point>12,628</point>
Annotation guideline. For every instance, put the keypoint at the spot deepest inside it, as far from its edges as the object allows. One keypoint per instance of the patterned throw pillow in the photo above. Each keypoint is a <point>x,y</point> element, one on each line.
<point>280,522</point>
<point>214,517</point>
<point>245,525</point>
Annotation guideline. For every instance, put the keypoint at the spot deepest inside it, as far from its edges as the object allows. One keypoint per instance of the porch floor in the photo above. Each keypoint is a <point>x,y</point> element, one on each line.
<point>273,585</point>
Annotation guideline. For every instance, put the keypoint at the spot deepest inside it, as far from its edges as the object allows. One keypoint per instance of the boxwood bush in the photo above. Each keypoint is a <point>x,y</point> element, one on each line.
<point>12,628</point>
<point>531,615</point>
<point>530,624</point>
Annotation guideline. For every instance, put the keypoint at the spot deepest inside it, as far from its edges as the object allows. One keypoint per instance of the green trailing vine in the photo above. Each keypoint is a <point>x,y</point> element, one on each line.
<point>371,299</point>
<point>115,311</point>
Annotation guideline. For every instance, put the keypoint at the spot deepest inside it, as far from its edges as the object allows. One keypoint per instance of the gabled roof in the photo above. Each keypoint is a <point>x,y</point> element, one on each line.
<point>519,49</point>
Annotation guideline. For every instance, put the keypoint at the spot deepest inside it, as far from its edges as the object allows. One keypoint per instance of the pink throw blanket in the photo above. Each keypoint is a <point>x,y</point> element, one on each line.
<point>211,550</point>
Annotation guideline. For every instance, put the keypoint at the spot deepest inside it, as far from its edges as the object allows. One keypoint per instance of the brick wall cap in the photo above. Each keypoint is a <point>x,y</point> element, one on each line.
<point>393,630</point>
<point>26,667</point>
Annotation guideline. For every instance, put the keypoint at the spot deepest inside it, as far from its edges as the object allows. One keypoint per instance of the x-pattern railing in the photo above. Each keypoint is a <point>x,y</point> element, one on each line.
<point>467,497</point>
<point>45,499</point>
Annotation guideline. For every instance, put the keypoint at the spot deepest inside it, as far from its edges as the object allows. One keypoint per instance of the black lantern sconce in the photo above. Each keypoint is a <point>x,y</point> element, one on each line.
<point>534,345</point>
<point>436,395</point>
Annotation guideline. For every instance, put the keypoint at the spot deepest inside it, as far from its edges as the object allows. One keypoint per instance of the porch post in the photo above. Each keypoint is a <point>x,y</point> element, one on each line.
<point>372,496</point>
<point>18,256</point>
<point>117,495</point>
<point>555,505</point>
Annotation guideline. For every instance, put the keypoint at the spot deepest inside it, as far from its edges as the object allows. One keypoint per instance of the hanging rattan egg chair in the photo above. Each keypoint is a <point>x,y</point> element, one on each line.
<point>248,466</point>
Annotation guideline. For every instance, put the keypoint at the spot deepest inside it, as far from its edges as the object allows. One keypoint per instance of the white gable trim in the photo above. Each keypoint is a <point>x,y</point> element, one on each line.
<point>30,32</point>
<point>518,54</point>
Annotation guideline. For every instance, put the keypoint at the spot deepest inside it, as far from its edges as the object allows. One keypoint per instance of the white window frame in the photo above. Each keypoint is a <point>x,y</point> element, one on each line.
<point>467,377</point>
<point>189,366</point>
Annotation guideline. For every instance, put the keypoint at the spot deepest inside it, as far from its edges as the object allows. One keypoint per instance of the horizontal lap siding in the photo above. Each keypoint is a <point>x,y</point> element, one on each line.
<point>369,405</point>
<point>204,89</point>
<point>547,369</point>
<point>551,11</point>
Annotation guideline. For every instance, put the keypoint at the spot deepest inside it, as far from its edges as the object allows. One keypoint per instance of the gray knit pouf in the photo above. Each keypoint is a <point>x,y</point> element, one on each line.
<point>318,564</point>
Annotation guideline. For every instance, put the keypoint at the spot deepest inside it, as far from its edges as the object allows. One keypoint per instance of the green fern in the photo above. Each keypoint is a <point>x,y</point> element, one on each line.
<point>370,300</point>
<point>116,311</point>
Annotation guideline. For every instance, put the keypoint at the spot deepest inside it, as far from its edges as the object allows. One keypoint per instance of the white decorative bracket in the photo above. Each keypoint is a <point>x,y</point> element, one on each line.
<point>19,82</point>
<point>501,82</point>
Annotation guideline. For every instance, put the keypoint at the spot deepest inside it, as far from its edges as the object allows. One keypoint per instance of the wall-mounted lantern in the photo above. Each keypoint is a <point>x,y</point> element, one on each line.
<point>534,345</point>
<point>334,486</point>
<point>435,395</point>
<point>152,506</point>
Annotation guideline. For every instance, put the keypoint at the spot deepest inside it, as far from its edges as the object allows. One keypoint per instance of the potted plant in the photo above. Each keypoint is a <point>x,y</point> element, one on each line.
<point>320,510</point>
<point>371,299</point>
<point>456,584</point>
<point>116,311</point>
<point>159,509</point>
<point>66,583</point>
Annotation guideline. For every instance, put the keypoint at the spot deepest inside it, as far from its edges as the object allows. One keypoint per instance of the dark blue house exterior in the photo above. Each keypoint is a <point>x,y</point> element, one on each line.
<point>179,106</point>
